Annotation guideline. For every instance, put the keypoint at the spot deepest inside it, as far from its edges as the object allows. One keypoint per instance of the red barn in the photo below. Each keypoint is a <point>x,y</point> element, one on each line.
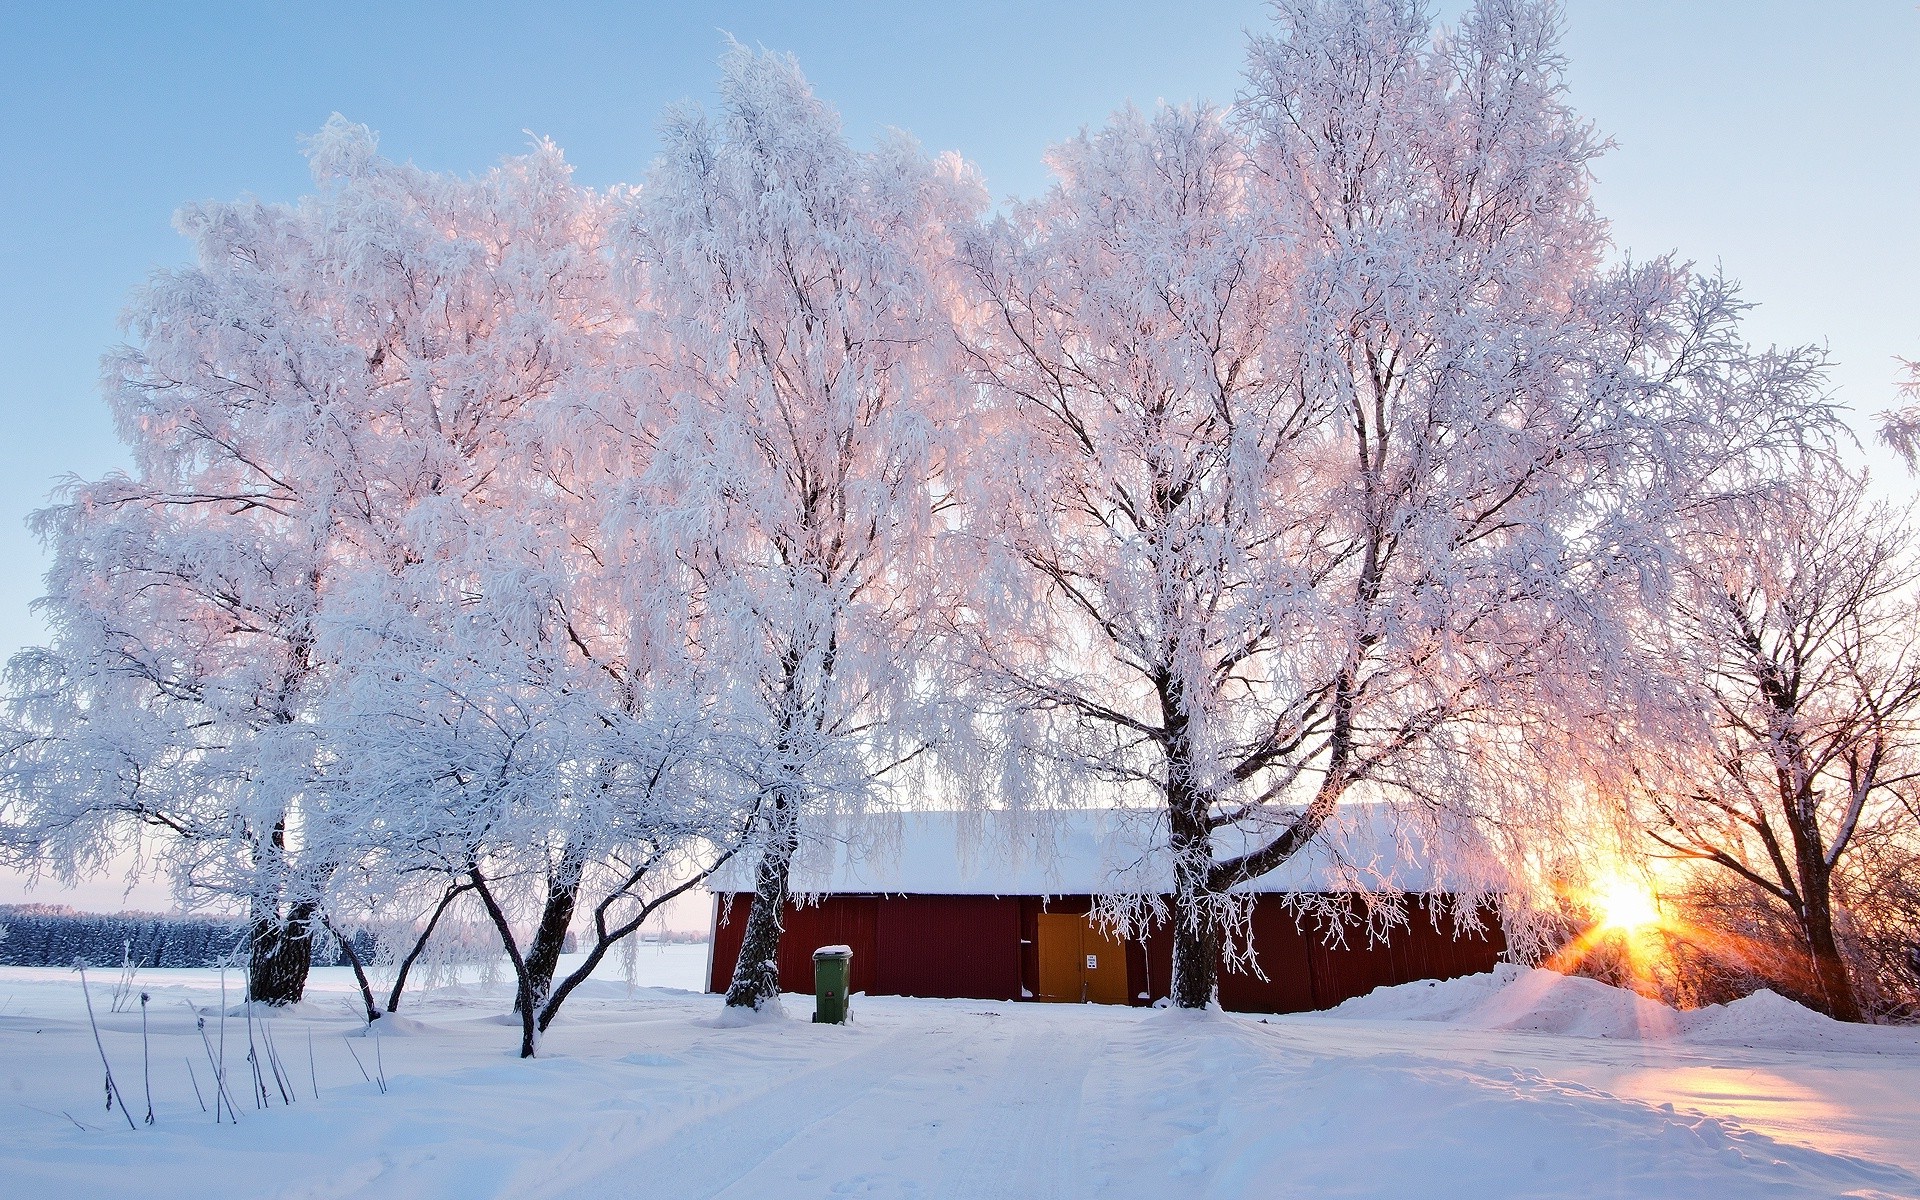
<point>951,905</point>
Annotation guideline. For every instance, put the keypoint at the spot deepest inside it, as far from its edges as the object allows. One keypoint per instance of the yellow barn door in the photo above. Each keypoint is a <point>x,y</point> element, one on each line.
<point>1079,961</point>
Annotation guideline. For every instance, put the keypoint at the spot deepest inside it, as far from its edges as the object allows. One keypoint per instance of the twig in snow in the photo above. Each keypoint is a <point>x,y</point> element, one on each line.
<point>196,1082</point>
<point>113,1090</point>
<point>280,1080</point>
<point>356,1058</point>
<point>123,990</point>
<point>146,1058</point>
<point>219,1079</point>
<point>82,1126</point>
<point>220,1068</point>
<point>379,1059</point>
<point>313,1076</point>
<point>253,1061</point>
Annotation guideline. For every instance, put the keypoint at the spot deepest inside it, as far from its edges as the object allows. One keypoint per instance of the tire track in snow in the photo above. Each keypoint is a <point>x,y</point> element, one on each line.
<point>1023,1142</point>
<point>718,1142</point>
<point>978,1108</point>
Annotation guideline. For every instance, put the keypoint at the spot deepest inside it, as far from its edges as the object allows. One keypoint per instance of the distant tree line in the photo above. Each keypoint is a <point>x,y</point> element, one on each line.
<point>48,936</point>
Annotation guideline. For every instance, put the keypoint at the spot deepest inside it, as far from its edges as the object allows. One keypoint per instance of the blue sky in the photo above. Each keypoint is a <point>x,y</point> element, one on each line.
<point>1779,140</point>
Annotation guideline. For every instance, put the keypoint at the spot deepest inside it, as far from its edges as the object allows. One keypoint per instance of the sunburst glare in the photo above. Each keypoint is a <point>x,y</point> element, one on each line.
<point>1625,904</point>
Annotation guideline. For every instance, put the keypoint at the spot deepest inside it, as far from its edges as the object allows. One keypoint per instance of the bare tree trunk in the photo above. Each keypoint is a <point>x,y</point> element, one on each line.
<point>756,974</point>
<point>1196,961</point>
<point>279,955</point>
<point>1831,979</point>
<point>359,971</point>
<point>1832,986</point>
<point>420,944</point>
<point>543,956</point>
<point>605,938</point>
<point>528,1035</point>
<point>279,952</point>
<point>1196,929</point>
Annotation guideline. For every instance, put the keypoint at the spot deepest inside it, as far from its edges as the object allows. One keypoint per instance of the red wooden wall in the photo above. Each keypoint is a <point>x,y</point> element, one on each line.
<point>835,921</point>
<point>960,946</point>
<point>966,946</point>
<point>982,947</point>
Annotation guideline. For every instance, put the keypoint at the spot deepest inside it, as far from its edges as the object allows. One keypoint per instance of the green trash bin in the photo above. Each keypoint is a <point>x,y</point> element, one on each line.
<point>832,971</point>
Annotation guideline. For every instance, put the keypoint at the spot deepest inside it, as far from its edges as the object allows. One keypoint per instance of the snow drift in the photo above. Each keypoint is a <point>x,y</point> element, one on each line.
<point>1531,1000</point>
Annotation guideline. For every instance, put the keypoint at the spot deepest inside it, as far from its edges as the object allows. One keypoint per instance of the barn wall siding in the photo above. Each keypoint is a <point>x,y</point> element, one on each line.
<point>850,921</point>
<point>1284,982</point>
<point>1357,964</point>
<point>983,947</point>
<point>729,927</point>
<point>960,946</point>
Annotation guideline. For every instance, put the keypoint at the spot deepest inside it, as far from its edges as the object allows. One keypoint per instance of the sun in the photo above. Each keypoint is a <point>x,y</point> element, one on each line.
<point>1625,904</point>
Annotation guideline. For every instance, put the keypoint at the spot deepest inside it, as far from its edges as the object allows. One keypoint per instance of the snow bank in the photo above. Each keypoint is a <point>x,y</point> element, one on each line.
<point>771,1009</point>
<point>932,1098</point>
<point>394,1025</point>
<point>306,1010</point>
<point>1771,1020</point>
<point>1530,1000</point>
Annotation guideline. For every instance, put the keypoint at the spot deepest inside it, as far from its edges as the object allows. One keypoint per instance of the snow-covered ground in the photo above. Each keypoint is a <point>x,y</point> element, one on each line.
<point>1518,1084</point>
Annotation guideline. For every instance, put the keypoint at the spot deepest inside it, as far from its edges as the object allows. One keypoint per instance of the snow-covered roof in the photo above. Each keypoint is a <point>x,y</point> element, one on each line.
<point>1367,847</point>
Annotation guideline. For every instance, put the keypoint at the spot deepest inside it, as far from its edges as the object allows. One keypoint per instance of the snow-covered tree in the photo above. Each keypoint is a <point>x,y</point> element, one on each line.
<point>655,807</point>
<point>1792,736</point>
<point>312,409</point>
<point>183,598</point>
<point>1334,459</point>
<point>1900,427</point>
<point>805,330</point>
<point>515,713</point>
<point>529,735</point>
<point>1140,486</point>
